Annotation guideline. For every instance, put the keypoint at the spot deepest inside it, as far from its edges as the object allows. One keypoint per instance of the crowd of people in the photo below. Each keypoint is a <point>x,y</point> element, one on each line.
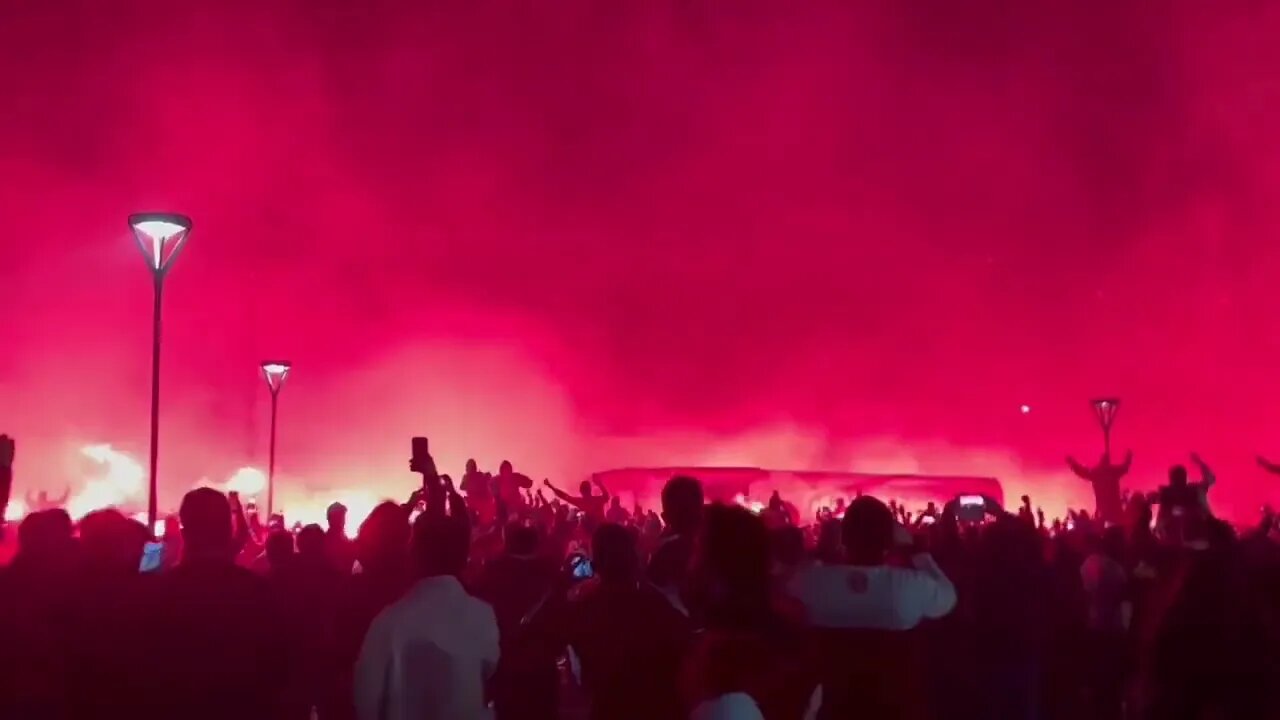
<point>496,599</point>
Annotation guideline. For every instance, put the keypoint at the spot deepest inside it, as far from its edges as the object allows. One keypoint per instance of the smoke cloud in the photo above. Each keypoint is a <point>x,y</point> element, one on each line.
<point>582,234</point>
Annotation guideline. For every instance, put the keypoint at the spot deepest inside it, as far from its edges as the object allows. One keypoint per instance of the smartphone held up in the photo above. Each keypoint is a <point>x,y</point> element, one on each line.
<point>971,508</point>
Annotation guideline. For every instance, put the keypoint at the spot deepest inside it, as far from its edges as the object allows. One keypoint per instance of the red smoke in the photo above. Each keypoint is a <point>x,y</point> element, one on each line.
<point>580,235</point>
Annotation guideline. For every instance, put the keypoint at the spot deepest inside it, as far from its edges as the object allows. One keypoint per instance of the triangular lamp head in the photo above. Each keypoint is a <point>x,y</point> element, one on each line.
<point>1106,409</point>
<point>275,371</point>
<point>160,236</point>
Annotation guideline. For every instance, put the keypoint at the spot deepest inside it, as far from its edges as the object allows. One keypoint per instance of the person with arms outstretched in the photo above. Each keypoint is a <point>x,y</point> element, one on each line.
<point>593,506</point>
<point>509,486</point>
<point>1180,496</point>
<point>1105,478</point>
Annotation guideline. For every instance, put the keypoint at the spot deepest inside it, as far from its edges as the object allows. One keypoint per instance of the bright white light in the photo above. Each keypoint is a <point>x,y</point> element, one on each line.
<point>120,482</point>
<point>1025,409</point>
<point>159,235</point>
<point>157,531</point>
<point>95,495</point>
<point>247,481</point>
<point>16,510</point>
<point>123,472</point>
<point>314,508</point>
<point>275,373</point>
<point>754,506</point>
<point>159,230</point>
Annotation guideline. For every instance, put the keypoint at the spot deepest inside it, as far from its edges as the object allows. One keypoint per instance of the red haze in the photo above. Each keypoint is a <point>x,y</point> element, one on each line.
<point>582,234</point>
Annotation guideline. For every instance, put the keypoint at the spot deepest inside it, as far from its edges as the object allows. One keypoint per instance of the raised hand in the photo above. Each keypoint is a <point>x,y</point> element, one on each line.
<point>1082,472</point>
<point>1269,466</point>
<point>7,448</point>
<point>1207,476</point>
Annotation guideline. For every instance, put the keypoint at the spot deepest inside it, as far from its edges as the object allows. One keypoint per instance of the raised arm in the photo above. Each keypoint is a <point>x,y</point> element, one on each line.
<point>241,522</point>
<point>929,589</point>
<point>566,497</point>
<point>1269,466</point>
<point>1123,468</point>
<point>1207,478</point>
<point>603,490</point>
<point>1081,471</point>
<point>7,447</point>
<point>457,504</point>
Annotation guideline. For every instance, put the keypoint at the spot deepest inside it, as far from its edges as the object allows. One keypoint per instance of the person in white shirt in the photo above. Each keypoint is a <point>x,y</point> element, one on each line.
<point>867,593</point>
<point>432,653</point>
<point>861,614</point>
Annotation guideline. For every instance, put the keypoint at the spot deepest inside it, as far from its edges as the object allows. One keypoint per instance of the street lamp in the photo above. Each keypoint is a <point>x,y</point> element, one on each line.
<point>275,372</point>
<point>1105,409</point>
<point>160,236</point>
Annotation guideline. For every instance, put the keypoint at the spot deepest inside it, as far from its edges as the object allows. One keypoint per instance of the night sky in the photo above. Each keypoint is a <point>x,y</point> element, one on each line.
<point>583,234</point>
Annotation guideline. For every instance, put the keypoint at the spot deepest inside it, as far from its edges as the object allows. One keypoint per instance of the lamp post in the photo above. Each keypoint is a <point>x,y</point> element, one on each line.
<point>1105,410</point>
<point>275,372</point>
<point>160,236</point>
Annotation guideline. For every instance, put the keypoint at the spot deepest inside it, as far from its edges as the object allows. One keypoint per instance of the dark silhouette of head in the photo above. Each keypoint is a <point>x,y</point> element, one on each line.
<point>505,468</point>
<point>585,488</point>
<point>472,467</point>
<point>279,549</point>
<point>520,539</point>
<point>311,543</point>
<point>206,525</point>
<point>867,531</point>
<point>732,567</point>
<point>682,504</point>
<point>1178,476</point>
<point>111,542</point>
<point>440,545</point>
<point>337,517</point>
<point>615,502</point>
<point>613,553</point>
<point>45,536</point>
<point>382,544</point>
<point>775,501</point>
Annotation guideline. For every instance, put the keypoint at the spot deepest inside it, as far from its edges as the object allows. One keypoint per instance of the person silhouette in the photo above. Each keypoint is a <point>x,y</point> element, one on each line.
<point>7,446</point>
<point>41,501</point>
<point>1181,497</point>
<point>1105,478</point>
<point>215,646</point>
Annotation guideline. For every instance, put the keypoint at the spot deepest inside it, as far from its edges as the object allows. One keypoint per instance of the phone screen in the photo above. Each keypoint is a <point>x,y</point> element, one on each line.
<point>152,557</point>
<point>972,508</point>
<point>581,568</point>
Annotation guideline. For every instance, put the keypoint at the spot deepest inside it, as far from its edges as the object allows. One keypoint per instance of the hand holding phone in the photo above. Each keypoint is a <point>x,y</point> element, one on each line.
<point>580,567</point>
<point>971,508</point>
<point>421,461</point>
